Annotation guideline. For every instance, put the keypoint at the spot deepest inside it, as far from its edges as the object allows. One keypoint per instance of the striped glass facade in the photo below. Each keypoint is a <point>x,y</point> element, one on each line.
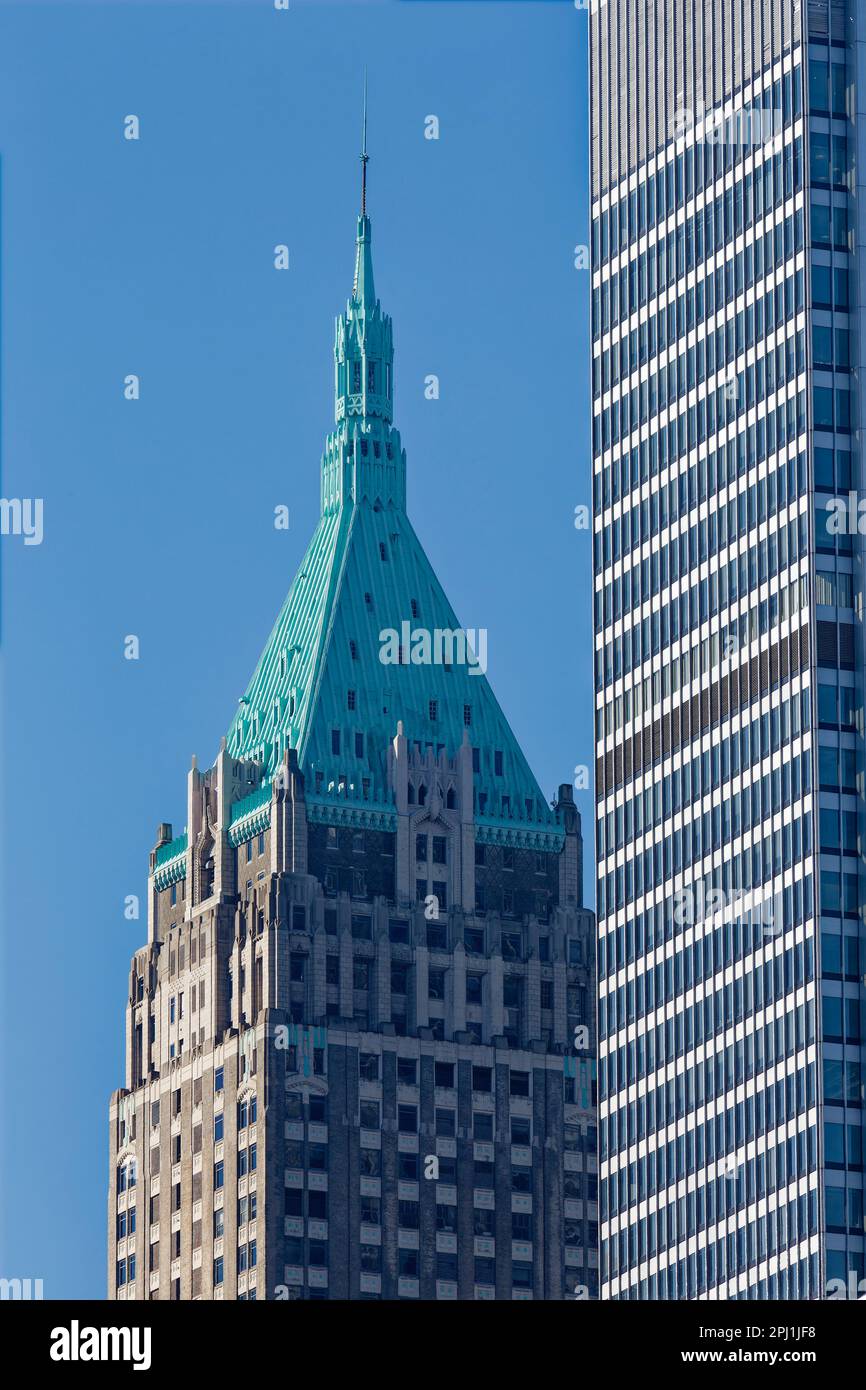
<point>728,648</point>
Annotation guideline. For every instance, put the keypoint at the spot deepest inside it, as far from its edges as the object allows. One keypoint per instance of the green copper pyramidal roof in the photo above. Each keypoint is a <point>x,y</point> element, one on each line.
<point>366,636</point>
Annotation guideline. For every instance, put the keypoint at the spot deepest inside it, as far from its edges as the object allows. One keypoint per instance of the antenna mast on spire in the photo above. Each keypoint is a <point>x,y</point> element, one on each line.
<point>364,155</point>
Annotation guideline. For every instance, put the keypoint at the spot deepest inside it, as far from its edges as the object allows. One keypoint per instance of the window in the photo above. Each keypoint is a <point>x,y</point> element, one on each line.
<point>218,1175</point>
<point>369,1114</point>
<point>335,740</point>
<point>473,989</point>
<point>521,1178</point>
<point>219,1079</point>
<point>317,1204</point>
<point>482,1127</point>
<point>473,940</point>
<point>218,1268</point>
<point>407,1167</point>
<point>497,763</point>
<point>407,1119</point>
<point>421,848</point>
<point>436,984</point>
<point>407,1071</point>
<point>433,710</point>
<point>247,1110</point>
<point>444,1074</point>
<point>408,1218</point>
<point>350,702</point>
<point>482,1079</point>
<point>446,1123</point>
<point>383,553</point>
<point>521,1225</point>
<point>218,1223</point>
<point>126,1176</point>
<point>368,1066</point>
<point>371,1210</point>
<point>218,1126</point>
<point>439,849</point>
<point>467,715</point>
<point>511,946</point>
<point>362,929</point>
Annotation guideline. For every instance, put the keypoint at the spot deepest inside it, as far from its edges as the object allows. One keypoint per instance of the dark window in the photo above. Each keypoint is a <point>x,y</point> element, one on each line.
<point>473,989</point>
<point>407,1119</point>
<point>482,1127</point>
<point>444,1074</point>
<point>473,940</point>
<point>446,1123</point>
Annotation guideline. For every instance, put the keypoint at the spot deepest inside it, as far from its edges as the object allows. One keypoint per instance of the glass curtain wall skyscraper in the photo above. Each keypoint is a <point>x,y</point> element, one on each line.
<point>728,647</point>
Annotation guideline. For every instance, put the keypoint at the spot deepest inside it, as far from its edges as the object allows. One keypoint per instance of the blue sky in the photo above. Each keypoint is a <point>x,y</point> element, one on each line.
<point>155,257</point>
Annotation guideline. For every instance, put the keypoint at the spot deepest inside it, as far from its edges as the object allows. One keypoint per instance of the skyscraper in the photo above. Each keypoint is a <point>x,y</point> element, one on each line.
<point>360,1037</point>
<point>726,325</point>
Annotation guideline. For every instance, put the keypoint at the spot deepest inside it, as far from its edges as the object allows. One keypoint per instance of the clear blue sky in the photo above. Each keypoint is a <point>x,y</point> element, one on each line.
<point>156,258</point>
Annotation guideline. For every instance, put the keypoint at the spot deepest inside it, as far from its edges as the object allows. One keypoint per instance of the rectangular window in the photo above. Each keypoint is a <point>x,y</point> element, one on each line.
<point>407,1119</point>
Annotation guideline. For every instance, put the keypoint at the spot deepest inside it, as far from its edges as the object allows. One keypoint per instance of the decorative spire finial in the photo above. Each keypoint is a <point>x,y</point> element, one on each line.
<point>364,155</point>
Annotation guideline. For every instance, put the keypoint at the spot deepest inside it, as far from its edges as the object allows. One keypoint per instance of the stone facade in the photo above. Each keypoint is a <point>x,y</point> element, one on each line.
<point>373,1037</point>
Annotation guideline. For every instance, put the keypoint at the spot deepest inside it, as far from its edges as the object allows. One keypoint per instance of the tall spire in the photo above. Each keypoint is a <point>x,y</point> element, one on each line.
<point>362,289</point>
<point>364,156</point>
